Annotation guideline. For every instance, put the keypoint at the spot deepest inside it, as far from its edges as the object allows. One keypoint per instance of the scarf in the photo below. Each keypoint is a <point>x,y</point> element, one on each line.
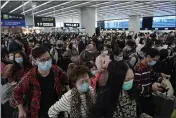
<point>75,111</point>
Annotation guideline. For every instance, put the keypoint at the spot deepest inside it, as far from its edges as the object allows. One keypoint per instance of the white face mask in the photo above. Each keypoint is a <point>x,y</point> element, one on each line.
<point>105,52</point>
<point>118,58</point>
<point>11,58</point>
<point>172,46</point>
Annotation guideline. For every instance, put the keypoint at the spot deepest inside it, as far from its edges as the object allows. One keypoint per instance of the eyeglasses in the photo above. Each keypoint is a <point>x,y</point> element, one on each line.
<point>44,59</point>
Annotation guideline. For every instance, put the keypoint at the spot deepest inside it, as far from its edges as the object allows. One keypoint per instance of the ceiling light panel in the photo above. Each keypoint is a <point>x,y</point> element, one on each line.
<point>96,5</point>
<point>60,13</point>
<point>37,6</point>
<point>115,4</point>
<point>66,8</point>
<point>20,6</point>
<point>72,14</point>
<point>122,7</point>
<point>52,7</point>
<point>5,4</point>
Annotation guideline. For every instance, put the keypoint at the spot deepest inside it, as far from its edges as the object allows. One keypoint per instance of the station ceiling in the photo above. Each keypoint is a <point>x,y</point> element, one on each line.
<point>105,10</point>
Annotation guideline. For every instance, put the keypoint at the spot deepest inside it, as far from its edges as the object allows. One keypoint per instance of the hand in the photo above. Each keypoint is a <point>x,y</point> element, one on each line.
<point>168,76</point>
<point>104,65</point>
<point>163,84</point>
<point>156,87</point>
<point>22,114</point>
<point>102,70</point>
<point>165,76</point>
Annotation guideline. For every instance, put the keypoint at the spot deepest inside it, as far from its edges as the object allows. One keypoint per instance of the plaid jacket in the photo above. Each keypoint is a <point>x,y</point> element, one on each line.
<point>24,87</point>
<point>144,78</point>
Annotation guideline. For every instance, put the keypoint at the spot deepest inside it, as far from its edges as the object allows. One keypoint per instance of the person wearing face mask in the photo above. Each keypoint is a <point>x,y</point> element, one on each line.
<point>13,74</point>
<point>47,81</point>
<point>137,57</point>
<point>87,56</point>
<point>19,67</point>
<point>60,49</point>
<point>102,62</point>
<point>118,98</point>
<point>147,81</point>
<point>78,101</point>
<point>9,58</point>
<point>117,54</point>
<point>129,50</point>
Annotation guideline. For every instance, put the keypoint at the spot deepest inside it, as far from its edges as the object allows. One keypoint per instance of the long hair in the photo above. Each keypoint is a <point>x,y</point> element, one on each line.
<point>107,101</point>
<point>16,66</point>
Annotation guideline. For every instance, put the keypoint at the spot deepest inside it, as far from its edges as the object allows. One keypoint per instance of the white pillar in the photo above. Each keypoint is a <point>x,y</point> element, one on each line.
<point>29,20</point>
<point>134,24</point>
<point>88,20</point>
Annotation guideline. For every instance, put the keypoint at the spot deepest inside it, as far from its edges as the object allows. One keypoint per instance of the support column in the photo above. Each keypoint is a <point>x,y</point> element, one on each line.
<point>134,24</point>
<point>88,20</point>
<point>29,20</point>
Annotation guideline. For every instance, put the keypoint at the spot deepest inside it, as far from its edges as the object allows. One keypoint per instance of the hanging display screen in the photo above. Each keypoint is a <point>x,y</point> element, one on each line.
<point>116,24</point>
<point>164,22</point>
<point>11,20</point>
<point>44,22</point>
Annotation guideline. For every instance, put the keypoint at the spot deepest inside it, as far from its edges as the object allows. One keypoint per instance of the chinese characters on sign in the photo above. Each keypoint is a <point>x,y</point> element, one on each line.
<point>71,24</point>
<point>44,22</point>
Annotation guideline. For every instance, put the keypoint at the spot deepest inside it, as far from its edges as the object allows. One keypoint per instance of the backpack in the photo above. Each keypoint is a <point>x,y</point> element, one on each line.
<point>137,59</point>
<point>171,51</point>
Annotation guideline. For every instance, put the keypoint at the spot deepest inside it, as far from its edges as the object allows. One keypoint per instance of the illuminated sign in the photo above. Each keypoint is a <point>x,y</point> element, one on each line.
<point>164,22</point>
<point>44,22</point>
<point>71,24</point>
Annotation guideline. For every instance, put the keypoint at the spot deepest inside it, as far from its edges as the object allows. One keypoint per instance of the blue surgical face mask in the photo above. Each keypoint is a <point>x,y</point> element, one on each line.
<point>44,66</point>
<point>151,63</point>
<point>83,87</point>
<point>94,72</point>
<point>19,60</point>
<point>127,85</point>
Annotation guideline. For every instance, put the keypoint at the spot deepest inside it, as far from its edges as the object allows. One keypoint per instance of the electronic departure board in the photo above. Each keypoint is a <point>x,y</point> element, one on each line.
<point>12,20</point>
<point>164,22</point>
<point>117,23</point>
<point>44,22</point>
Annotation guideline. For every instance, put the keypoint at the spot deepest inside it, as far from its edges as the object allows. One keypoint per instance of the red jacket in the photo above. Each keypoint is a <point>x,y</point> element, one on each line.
<point>30,78</point>
<point>94,81</point>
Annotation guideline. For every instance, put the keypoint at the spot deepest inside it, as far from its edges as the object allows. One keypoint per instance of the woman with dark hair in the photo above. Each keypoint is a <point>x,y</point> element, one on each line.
<point>19,67</point>
<point>116,54</point>
<point>101,63</point>
<point>117,99</point>
<point>164,64</point>
<point>141,44</point>
<point>11,75</point>
<point>79,100</point>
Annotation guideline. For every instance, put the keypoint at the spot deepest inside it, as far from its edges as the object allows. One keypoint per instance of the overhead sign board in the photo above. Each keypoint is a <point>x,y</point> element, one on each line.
<point>9,20</point>
<point>44,21</point>
<point>71,24</point>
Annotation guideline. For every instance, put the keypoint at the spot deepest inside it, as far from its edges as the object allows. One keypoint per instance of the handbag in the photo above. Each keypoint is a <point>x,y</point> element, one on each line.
<point>6,92</point>
<point>164,105</point>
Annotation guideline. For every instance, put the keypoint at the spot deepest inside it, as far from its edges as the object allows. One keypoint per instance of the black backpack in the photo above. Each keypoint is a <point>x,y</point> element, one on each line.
<point>137,59</point>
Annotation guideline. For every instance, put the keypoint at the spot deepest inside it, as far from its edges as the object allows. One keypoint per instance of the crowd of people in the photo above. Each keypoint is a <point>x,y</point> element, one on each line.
<point>71,75</point>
